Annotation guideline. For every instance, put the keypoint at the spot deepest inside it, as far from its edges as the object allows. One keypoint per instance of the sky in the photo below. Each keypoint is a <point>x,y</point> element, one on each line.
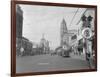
<point>39,20</point>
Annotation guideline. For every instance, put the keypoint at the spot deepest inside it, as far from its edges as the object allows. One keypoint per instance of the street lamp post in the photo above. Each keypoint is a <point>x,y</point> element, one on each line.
<point>87,33</point>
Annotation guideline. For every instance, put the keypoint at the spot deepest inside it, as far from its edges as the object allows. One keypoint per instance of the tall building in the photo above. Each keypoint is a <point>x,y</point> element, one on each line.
<point>63,32</point>
<point>19,21</point>
<point>68,37</point>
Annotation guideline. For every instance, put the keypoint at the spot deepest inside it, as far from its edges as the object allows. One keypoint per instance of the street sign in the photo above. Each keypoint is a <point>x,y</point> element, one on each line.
<point>87,33</point>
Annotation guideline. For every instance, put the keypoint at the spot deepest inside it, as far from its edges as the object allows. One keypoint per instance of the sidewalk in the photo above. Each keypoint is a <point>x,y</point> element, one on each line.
<point>81,57</point>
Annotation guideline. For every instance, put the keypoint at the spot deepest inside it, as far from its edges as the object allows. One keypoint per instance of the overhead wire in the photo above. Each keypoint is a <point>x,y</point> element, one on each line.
<point>74,17</point>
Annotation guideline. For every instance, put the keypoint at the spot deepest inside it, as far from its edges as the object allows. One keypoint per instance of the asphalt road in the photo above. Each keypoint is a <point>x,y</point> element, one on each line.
<point>47,62</point>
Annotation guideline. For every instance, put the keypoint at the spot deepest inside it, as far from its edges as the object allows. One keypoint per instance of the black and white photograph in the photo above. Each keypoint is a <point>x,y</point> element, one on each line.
<point>53,38</point>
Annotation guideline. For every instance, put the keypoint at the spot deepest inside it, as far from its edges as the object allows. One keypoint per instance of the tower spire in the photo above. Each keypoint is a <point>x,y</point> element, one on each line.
<point>64,26</point>
<point>63,30</point>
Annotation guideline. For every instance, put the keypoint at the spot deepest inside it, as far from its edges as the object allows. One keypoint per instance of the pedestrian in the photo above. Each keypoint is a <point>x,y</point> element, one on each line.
<point>22,50</point>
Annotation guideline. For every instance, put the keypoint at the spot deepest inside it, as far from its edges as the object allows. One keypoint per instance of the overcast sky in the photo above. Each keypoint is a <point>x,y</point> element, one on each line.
<point>47,20</point>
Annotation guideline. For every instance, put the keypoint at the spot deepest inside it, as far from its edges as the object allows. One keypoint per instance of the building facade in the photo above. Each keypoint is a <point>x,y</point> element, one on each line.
<point>23,45</point>
<point>19,21</point>
<point>44,44</point>
<point>68,37</point>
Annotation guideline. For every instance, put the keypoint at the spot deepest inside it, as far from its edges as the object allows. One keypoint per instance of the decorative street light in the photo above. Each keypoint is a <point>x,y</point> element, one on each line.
<point>89,18</point>
<point>86,33</point>
<point>83,18</point>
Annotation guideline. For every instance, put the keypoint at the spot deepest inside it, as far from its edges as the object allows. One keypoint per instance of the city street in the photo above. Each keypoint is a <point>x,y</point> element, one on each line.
<point>61,32</point>
<point>40,63</point>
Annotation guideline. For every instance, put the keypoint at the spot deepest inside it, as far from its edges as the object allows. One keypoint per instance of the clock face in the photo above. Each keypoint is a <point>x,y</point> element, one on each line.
<point>86,33</point>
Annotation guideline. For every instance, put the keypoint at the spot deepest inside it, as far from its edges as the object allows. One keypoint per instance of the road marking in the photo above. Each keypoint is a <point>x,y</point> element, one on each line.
<point>43,63</point>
